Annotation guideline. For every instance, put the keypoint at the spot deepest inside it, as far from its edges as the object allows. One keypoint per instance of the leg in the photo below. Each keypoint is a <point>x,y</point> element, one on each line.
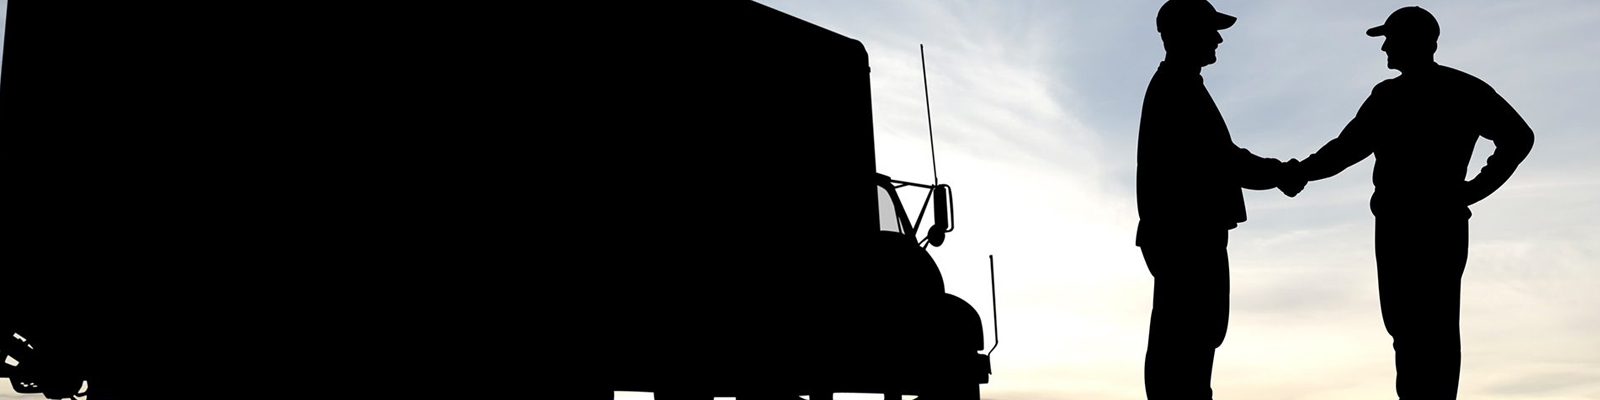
<point>1420,263</point>
<point>1189,317</point>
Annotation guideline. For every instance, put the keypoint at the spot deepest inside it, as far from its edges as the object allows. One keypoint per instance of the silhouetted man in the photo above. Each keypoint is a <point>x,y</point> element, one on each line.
<point>1189,180</point>
<point>1422,126</point>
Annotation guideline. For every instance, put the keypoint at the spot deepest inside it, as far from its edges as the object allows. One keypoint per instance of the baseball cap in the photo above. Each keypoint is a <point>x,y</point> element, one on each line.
<point>1409,22</point>
<point>1178,15</point>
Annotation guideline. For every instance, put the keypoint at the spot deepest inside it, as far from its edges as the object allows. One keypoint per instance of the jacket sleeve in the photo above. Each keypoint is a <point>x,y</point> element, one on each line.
<point>1512,138</point>
<point>1167,171</point>
<point>1352,145</point>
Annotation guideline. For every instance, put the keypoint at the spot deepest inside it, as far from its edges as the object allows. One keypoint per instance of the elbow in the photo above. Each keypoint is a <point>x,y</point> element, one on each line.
<point>1521,148</point>
<point>1523,135</point>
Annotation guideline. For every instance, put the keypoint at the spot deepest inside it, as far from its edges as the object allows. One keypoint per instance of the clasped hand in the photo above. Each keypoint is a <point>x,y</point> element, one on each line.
<point>1292,181</point>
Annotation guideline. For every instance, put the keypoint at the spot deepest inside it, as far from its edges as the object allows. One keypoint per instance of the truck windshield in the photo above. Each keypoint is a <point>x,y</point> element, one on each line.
<point>888,219</point>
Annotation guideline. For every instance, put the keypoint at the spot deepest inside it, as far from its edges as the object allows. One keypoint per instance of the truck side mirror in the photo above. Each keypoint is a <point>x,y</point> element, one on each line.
<point>943,219</point>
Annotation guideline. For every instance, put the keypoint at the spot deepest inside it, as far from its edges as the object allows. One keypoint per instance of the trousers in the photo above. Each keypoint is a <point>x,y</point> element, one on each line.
<point>1420,263</point>
<point>1189,314</point>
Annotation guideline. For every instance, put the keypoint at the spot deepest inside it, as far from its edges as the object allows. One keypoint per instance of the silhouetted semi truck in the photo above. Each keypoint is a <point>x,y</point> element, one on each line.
<point>286,188</point>
<point>758,253</point>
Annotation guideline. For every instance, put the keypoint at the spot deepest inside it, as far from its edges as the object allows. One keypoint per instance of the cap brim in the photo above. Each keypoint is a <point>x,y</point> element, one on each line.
<point>1223,21</point>
<point>1377,31</point>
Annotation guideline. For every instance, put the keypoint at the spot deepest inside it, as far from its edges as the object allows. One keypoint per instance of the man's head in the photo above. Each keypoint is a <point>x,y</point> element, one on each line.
<point>1411,35</point>
<point>1189,31</point>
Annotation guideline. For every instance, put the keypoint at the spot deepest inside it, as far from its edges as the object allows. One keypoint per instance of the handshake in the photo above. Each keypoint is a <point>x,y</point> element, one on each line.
<point>1291,180</point>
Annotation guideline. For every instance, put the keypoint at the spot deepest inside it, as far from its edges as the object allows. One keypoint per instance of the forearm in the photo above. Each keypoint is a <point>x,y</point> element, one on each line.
<point>1512,138</point>
<point>1508,154</point>
<point>1331,159</point>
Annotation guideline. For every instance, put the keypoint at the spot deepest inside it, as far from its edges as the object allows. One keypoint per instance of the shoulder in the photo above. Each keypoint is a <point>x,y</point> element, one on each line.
<point>1165,87</point>
<point>1389,85</point>
<point>1464,81</point>
<point>1388,88</point>
<point>1165,80</point>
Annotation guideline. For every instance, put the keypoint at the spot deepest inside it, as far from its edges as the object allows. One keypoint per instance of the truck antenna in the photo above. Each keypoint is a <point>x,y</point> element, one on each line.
<point>929,108</point>
<point>994,303</point>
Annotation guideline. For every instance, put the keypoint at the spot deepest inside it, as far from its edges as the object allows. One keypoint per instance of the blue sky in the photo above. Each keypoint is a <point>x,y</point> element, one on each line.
<point>4,5</point>
<point>1035,110</point>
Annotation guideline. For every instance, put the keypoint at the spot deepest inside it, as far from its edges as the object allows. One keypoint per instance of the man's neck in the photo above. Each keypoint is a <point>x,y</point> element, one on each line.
<point>1418,66</point>
<point>1181,66</point>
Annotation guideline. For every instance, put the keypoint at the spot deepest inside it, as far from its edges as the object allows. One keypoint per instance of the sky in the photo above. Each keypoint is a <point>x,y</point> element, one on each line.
<point>1035,108</point>
<point>4,5</point>
<point>1035,112</point>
